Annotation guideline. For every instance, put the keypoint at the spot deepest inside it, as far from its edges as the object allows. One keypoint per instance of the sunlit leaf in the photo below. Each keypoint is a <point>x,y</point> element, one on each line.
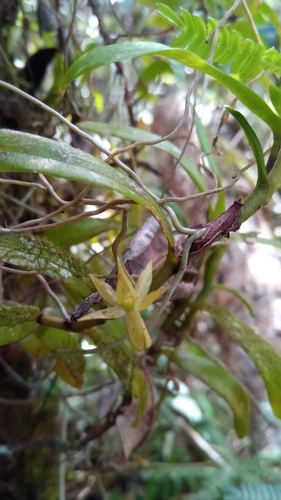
<point>102,56</point>
<point>20,152</point>
<point>169,15</point>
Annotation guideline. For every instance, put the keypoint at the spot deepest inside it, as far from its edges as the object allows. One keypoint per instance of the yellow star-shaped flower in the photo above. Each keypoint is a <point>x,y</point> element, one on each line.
<point>128,300</point>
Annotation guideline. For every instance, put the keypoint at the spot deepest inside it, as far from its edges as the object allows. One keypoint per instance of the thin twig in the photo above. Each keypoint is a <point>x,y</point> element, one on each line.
<point>251,22</point>
<point>203,444</point>
<point>191,197</point>
<point>165,137</point>
<point>53,225</point>
<point>22,204</point>
<point>51,190</point>
<point>13,375</point>
<point>222,22</point>
<point>54,297</point>
<point>59,210</point>
<point>22,183</point>
<point>70,32</point>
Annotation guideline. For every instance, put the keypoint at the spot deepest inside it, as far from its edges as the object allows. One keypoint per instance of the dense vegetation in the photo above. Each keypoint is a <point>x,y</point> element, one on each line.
<point>140,161</point>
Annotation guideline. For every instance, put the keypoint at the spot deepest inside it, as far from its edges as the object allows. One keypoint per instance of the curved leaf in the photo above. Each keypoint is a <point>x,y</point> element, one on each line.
<point>253,142</point>
<point>248,58</point>
<point>38,254</point>
<point>124,51</point>
<point>79,231</point>
<point>20,152</point>
<point>275,96</point>
<point>169,15</point>
<point>263,354</point>
<point>134,134</point>
<point>237,295</point>
<point>220,381</point>
<point>17,321</point>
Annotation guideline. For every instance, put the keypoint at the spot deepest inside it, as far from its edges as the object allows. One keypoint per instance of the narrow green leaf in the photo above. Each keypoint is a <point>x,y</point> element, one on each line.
<point>274,242</point>
<point>219,380</point>
<point>101,56</point>
<point>263,354</point>
<point>275,96</point>
<point>79,231</point>
<point>237,295</point>
<point>169,15</point>
<point>38,254</point>
<point>253,142</point>
<point>16,322</point>
<point>133,134</point>
<point>20,152</point>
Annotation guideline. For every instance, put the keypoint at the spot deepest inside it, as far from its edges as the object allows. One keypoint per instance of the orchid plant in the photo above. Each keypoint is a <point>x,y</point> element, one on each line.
<point>128,300</point>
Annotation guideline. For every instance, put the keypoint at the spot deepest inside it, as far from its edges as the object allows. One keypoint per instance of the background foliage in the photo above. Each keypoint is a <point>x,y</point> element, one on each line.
<point>125,128</point>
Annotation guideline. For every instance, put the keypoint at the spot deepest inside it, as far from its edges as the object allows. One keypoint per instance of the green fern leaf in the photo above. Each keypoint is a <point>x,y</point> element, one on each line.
<point>247,58</point>
<point>251,492</point>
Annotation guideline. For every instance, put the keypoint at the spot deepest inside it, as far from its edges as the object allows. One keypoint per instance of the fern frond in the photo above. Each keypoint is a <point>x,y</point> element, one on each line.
<point>259,492</point>
<point>246,57</point>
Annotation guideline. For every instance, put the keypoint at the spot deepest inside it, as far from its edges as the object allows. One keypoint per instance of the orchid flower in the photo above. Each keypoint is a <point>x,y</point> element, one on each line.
<point>128,300</point>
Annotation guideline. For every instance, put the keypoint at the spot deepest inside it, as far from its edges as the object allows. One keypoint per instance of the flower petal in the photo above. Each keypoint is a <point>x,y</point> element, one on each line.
<point>146,301</point>
<point>105,290</point>
<point>137,330</point>
<point>125,292</point>
<point>144,281</point>
<point>110,313</point>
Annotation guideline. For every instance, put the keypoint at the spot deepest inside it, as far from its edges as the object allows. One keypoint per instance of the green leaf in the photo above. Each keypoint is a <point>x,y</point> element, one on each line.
<point>219,380</point>
<point>70,366</point>
<point>263,354</point>
<point>253,142</point>
<point>133,134</point>
<point>38,254</point>
<point>170,15</point>
<point>123,51</point>
<point>16,322</point>
<point>274,242</point>
<point>237,295</point>
<point>275,96</point>
<point>79,231</point>
<point>20,152</point>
